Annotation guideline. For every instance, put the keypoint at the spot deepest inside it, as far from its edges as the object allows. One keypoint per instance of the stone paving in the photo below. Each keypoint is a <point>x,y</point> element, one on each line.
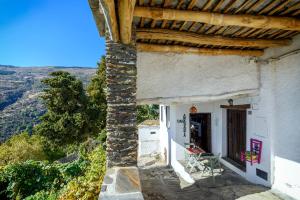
<point>160,182</point>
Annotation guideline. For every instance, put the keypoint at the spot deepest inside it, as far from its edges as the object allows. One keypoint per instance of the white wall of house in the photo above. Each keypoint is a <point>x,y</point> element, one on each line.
<point>163,76</point>
<point>219,138</point>
<point>286,118</point>
<point>164,135</point>
<point>207,82</point>
<point>149,140</point>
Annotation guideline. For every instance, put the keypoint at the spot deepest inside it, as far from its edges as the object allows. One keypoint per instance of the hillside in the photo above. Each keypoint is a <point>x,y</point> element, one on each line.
<point>20,106</point>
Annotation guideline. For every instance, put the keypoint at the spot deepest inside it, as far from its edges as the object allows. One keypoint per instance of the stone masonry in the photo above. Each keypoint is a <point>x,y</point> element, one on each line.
<point>121,104</point>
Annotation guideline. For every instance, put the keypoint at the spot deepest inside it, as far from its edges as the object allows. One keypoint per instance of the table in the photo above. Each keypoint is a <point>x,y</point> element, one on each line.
<point>194,154</point>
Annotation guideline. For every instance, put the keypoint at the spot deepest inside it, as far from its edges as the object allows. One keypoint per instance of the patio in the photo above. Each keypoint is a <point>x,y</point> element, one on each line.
<point>160,182</point>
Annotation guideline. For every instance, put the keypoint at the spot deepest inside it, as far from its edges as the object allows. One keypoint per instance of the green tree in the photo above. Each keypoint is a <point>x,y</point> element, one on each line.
<point>145,112</point>
<point>66,120</point>
<point>97,95</point>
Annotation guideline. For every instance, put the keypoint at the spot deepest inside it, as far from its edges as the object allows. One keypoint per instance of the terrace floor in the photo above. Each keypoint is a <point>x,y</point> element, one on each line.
<point>160,182</point>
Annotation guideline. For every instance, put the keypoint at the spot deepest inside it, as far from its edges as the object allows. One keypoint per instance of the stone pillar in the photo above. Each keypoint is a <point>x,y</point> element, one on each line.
<point>121,104</point>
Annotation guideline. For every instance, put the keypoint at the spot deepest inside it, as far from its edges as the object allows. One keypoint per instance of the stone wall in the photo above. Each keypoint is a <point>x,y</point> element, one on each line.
<point>121,104</point>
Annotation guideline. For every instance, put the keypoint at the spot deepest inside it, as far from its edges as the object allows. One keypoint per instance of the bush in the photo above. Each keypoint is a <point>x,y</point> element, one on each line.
<point>35,180</point>
<point>27,178</point>
<point>43,195</point>
<point>102,136</point>
<point>87,186</point>
<point>20,148</point>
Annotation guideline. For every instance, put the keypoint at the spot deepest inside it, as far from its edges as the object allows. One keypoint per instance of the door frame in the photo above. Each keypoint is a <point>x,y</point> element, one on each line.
<point>229,160</point>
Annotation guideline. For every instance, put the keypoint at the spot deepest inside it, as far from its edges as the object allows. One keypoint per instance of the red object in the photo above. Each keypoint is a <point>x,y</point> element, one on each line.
<point>255,152</point>
<point>195,150</point>
<point>193,109</point>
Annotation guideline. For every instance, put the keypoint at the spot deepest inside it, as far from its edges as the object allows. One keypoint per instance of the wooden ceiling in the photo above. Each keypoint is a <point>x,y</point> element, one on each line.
<point>214,27</point>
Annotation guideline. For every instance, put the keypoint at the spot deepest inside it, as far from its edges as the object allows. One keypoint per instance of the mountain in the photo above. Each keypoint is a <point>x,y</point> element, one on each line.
<point>20,87</point>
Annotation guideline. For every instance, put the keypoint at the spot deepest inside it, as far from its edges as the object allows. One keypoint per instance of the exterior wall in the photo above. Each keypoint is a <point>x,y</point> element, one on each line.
<point>149,140</point>
<point>273,117</point>
<point>273,120</point>
<point>219,137</point>
<point>164,134</point>
<point>163,76</point>
<point>286,129</point>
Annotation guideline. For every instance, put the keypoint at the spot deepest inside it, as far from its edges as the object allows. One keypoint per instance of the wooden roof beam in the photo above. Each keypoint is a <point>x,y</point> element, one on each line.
<point>126,8</point>
<point>193,50</point>
<point>244,20</point>
<point>109,11</point>
<point>194,38</point>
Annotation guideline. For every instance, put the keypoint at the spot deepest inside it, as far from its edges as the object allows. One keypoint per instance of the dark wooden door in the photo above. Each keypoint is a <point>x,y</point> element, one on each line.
<point>236,136</point>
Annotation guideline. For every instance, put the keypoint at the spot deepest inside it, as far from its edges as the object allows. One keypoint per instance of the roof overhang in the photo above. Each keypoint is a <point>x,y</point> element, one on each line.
<point>225,27</point>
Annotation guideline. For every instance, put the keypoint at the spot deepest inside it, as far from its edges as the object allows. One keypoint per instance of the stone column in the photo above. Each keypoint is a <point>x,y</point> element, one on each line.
<point>121,104</point>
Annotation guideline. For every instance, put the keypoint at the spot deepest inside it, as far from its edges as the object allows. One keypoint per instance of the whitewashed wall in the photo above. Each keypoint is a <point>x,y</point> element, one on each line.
<point>219,138</point>
<point>286,127</point>
<point>164,134</point>
<point>274,119</point>
<point>149,140</point>
<point>273,90</point>
<point>162,76</point>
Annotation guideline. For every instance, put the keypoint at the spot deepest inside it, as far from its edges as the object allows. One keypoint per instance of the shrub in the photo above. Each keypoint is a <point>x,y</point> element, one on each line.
<point>102,136</point>
<point>27,178</point>
<point>87,186</point>
<point>20,148</point>
<point>73,169</point>
<point>43,195</point>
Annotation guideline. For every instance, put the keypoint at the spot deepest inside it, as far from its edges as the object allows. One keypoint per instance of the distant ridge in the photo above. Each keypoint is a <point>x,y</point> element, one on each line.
<point>20,88</point>
<point>56,67</point>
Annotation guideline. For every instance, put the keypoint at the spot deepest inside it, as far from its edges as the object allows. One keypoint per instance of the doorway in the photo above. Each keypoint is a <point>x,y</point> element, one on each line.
<point>236,137</point>
<point>200,130</point>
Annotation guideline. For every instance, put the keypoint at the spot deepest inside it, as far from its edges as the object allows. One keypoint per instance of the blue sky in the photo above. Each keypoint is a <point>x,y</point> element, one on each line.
<point>48,33</point>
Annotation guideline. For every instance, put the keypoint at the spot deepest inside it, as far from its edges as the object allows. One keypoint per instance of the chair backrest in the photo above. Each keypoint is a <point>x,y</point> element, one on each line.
<point>216,158</point>
<point>189,145</point>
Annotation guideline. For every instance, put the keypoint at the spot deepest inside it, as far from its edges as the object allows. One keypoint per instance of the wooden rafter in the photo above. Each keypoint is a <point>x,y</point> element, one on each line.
<point>194,38</point>
<point>190,7</point>
<point>293,7</point>
<point>126,8</point>
<point>268,7</point>
<point>192,50</point>
<point>218,6</point>
<point>228,7</point>
<point>254,6</point>
<point>109,11</point>
<point>251,21</point>
<point>243,6</point>
<point>281,6</point>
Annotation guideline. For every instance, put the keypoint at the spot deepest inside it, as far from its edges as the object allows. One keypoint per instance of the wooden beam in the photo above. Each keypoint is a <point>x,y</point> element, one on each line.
<point>236,107</point>
<point>193,50</point>
<point>109,11</point>
<point>98,16</point>
<point>194,38</point>
<point>126,8</point>
<point>244,20</point>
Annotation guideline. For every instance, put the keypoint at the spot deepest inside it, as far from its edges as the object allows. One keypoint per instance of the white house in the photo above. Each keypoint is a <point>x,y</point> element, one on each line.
<point>269,85</point>
<point>225,73</point>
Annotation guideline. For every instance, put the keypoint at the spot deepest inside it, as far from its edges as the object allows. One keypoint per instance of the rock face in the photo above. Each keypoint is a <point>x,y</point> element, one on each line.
<point>121,104</point>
